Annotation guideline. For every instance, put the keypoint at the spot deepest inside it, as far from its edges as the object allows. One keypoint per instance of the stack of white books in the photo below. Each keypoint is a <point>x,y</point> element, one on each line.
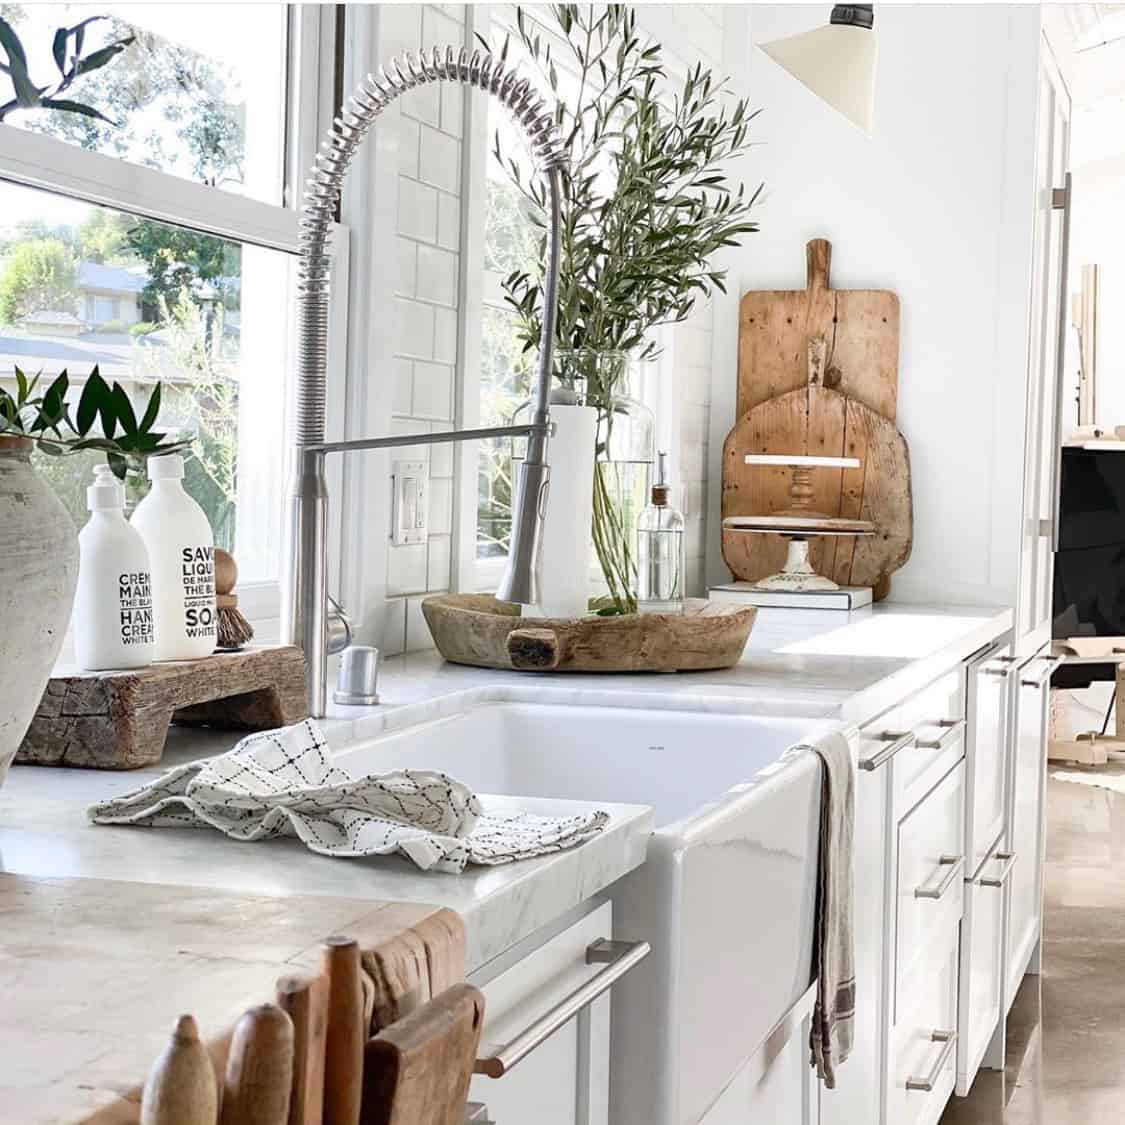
<point>844,597</point>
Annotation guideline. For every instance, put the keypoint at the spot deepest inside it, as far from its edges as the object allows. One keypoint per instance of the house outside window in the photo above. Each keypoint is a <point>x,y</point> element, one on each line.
<point>162,245</point>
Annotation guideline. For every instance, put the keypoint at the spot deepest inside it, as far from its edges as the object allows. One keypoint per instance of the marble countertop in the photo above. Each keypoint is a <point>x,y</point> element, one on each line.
<point>44,832</point>
<point>799,662</point>
<point>847,665</point>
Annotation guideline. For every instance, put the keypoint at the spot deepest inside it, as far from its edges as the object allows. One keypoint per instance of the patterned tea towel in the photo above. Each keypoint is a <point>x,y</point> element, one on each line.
<point>283,783</point>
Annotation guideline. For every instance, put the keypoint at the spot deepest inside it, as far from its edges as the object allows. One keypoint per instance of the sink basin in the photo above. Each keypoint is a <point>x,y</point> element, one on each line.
<point>725,897</point>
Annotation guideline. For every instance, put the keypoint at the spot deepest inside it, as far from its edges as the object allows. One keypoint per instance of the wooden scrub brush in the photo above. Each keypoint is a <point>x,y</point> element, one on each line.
<point>233,630</point>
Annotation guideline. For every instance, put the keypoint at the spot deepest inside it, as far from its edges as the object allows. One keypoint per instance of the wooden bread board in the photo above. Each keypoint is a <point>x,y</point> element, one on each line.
<point>817,420</point>
<point>859,326</point>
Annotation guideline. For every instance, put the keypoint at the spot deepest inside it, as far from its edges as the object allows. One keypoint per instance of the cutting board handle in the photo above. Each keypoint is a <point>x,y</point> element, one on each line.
<point>818,256</point>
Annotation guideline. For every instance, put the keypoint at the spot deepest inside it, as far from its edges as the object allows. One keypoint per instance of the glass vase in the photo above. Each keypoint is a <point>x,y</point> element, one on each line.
<point>624,451</point>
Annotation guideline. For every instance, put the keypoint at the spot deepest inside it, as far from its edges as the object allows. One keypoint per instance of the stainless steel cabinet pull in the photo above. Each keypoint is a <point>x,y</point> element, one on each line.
<point>1009,860</point>
<point>953,728</point>
<point>955,863</point>
<point>1004,672</point>
<point>618,957</point>
<point>948,1040</point>
<point>895,740</point>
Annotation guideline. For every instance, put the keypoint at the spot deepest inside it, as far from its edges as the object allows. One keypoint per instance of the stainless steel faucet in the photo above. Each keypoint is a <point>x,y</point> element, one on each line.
<point>306,618</point>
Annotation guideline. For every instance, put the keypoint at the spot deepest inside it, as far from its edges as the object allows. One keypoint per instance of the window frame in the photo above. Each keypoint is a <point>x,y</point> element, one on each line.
<point>48,164</point>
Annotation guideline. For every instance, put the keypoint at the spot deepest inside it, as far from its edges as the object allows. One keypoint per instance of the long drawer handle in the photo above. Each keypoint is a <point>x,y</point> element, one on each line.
<point>617,956</point>
<point>952,729</point>
<point>1045,674</point>
<point>948,1040</point>
<point>1009,859</point>
<point>895,740</point>
<point>955,863</point>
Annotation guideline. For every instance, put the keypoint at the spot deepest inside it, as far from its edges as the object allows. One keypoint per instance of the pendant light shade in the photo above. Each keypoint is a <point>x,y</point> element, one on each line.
<point>837,62</point>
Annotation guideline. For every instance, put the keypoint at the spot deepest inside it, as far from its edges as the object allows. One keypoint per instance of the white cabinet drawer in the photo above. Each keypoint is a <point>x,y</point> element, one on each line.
<point>565,1079</point>
<point>936,717</point>
<point>986,756</point>
<point>919,741</point>
<point>980,988</point>
<point>924,1043</point>
<point>930,881</point>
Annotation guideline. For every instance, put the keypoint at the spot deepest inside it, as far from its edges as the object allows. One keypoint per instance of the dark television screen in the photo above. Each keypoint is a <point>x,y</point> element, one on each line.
<point>1089,594</point>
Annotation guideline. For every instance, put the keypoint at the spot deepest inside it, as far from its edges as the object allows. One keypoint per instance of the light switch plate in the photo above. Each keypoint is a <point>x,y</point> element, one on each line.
<point>410,508</point>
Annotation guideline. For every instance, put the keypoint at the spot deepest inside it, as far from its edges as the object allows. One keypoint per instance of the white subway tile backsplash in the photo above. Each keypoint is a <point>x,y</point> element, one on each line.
<point>439,161</point>
<point>441,456</point>
<point>694,578</point>
<point>454,11</point>
<point>440,30</point>
<point>401,427</point>
<point>417,210</point>
<point>409,132</point>
<point>452,108</point>
<point>423,103</point>
<point>433,391</point>
<point>417,631</point>
<point>445,335</point>
<point>403,375</point>
<point>414,328</point>
<point>441,506</point>
<point>693,428</point>
<point>406,568</point>
<point>392,640</point>
<point>437,275</point>
<point>693,346</point>
<point>449,221</point>
<point>406,274</point>
<point>695,385</point>
<point>400,26</point>
<point>438,572</point>
<point>693,460</point>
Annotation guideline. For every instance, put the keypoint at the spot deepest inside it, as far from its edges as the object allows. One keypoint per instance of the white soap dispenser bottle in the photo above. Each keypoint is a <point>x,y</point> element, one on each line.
<point>112,622</point>
<point>181,550</point>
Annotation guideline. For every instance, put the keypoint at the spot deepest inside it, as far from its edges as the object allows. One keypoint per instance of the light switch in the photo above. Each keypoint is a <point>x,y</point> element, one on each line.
<point>410,506</point>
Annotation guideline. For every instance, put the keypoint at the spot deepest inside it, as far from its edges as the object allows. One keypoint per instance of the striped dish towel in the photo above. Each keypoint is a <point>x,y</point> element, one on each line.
<point>833,1018</point>
<point>283,783</point>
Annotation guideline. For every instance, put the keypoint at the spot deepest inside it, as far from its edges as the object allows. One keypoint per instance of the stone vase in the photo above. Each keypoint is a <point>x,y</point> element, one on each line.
<point>38,574</point>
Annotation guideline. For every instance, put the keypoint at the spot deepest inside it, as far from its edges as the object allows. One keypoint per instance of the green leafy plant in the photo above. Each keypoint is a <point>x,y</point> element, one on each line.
<point>46,419</point>
<point>67,50</point>
<point>648,202</point>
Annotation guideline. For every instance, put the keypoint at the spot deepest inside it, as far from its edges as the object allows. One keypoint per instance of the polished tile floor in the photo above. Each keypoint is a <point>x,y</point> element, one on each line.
<point>1066,1034</point>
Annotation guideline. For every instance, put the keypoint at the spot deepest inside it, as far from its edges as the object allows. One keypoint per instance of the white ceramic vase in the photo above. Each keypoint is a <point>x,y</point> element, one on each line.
<point>38,573</point>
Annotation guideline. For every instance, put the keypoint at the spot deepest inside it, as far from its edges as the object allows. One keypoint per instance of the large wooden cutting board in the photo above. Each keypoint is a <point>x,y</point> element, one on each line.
<point>859,327</point>
<point>820,421</point>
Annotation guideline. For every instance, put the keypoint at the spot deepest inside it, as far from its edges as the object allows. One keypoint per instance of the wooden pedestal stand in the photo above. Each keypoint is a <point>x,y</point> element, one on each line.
<point>119,720</point>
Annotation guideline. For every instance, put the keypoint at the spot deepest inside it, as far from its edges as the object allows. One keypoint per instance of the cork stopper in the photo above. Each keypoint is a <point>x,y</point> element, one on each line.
<point>660,487</point>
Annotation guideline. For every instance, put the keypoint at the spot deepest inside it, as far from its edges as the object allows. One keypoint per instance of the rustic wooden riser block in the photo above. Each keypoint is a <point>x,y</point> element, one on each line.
<point>119,720</point>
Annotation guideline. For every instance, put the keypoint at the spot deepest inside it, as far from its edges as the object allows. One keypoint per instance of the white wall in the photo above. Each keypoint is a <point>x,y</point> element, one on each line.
<point>937,207</point>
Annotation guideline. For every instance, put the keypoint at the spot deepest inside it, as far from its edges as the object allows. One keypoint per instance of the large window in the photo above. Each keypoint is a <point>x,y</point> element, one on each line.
<point>197,100</point>
<point>155,244</point>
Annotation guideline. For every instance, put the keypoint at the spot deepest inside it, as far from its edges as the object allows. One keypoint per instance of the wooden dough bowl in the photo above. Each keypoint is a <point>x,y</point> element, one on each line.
<point>477,629</point>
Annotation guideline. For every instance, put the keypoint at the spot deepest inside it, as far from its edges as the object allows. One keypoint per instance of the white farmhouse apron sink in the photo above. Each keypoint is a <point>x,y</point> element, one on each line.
<point>725,897</point>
